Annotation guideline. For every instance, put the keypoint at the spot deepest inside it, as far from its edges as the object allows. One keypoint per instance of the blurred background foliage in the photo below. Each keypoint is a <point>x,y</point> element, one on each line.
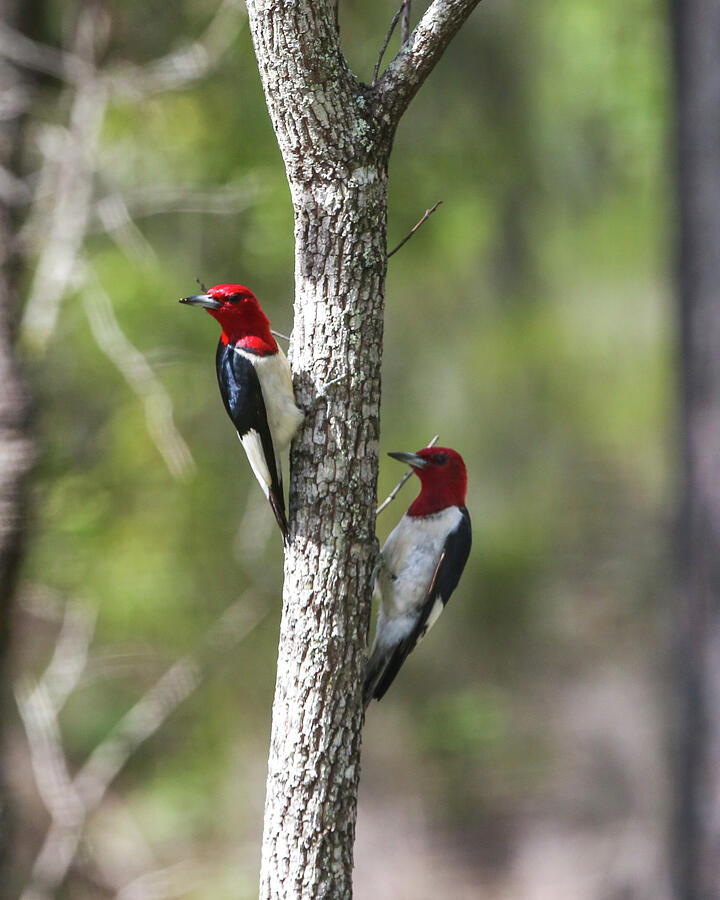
<point>529,323</point>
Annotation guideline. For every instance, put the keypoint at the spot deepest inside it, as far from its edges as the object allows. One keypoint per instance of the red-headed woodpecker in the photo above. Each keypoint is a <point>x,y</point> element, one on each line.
<point>420,563</point>
<point>255,383</point>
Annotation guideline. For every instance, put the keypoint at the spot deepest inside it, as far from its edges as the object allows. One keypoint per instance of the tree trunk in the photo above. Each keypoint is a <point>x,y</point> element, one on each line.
<point>697,831</point>
<point>339,193</point>
<point>313,769</point>
<point>15,445</point>
<point>335,135</point>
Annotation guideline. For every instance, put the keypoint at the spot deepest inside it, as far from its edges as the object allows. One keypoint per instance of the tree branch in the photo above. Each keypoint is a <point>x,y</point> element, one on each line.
<point>71,802</point>
<point>139,375</point>
<point>153,200</point>
<point>335,136</point>
<point>23,51</point>
<point>419,54</point>
<point>393,22</point>
<point>171,72</point>
<point>70,180</point>
<point>185,65</point>
<point>176,880</point>
<point>405,25</point>
<point>70,656</point>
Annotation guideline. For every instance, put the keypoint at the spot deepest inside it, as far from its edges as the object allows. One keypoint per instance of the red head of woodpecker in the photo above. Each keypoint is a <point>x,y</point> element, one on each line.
<point>420,563</point>
<point>255,384</point>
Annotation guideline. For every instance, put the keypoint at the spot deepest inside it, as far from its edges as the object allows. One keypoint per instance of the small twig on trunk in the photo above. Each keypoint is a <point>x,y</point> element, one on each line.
<point>396,490</point>
<point>428,213</point>
<point>393,23</point>
<point>279,334</point>
<point>405,24</point>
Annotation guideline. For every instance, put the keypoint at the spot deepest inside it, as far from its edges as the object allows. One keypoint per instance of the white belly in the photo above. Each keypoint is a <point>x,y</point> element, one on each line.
<point>284,417</point>
<point>408,561</point>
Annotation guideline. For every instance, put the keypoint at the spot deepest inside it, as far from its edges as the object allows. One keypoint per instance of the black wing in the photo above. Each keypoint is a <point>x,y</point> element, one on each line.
<point>242,395</point>
<point>444,581</point>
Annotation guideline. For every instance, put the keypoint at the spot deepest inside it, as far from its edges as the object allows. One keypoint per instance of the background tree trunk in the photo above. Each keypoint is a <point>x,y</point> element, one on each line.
<point>697,832</point>
<point>15,445</point>
<point>335,135</point>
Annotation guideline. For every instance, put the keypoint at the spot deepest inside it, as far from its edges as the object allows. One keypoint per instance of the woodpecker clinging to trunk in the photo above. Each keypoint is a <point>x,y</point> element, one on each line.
<point>420,563</point>
<point>255,383</point>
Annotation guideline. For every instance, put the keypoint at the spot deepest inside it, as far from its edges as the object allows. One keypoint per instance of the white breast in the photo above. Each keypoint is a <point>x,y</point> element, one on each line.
<point>408,561</point>
<point>284,417</point>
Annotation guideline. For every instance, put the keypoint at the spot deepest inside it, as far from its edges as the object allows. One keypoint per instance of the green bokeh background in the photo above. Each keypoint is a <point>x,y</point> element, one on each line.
<point>529,323</point>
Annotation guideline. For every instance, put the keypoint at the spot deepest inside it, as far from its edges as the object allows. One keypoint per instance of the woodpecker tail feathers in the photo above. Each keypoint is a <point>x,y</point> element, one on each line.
<point>373,673</point>
<point>383,666</point>
<point>278,507</point>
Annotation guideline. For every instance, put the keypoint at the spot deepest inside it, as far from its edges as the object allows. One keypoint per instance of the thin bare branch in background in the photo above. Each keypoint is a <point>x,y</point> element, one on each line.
<point>139,375</point>
<point>428,213</point>
<point>63,210</point>
<point>118,851</point>
<point>70,656</point>
<point>14,191</point>
<point>69,171</point>
<point>173,881</point>
<point>42,602</point>
<point>396,490</point>
<point>153,200</point>
<point>405,24</point>
<point>71,802</point>
<point>29,54</point>
<point>393,22</point>
<point>185,65</point>
<point>119,225</point>
<point>47,758</point>
<point>171,72</point>
<point>71,177</point>
<point>253,532</point>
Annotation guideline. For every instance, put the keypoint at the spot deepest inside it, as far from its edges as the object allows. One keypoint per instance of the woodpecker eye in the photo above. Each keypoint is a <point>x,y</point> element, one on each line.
<point>440,459</point>
<point>234,298</point>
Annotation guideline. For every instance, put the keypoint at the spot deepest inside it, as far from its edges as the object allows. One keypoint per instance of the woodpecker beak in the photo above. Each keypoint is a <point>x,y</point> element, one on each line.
<point>412,459</point>
<point>201,300</point>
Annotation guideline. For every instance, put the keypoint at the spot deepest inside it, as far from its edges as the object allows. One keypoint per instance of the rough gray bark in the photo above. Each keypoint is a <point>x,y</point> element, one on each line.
<point>697,827</point>
<point>335,135</point>
<point>15,445</point>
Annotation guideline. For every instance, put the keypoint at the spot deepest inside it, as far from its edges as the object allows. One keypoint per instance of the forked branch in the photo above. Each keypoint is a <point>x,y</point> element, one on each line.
<point>405,25</point>
<point>404,11</point>
<point>419,54</point>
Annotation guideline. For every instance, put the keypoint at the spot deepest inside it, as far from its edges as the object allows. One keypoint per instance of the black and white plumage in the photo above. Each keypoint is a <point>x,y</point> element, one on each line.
<point>420,564</point>
<point>265,428</point>
<point>256,386</point>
